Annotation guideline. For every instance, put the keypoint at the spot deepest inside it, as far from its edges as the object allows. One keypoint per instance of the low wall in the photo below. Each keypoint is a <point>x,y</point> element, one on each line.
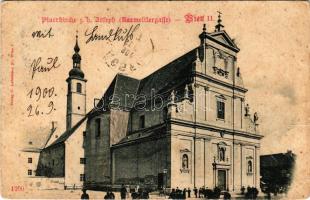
<point>44,183</point>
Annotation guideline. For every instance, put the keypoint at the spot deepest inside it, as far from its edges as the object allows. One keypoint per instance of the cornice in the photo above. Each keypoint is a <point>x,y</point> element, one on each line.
<point>215,128</point>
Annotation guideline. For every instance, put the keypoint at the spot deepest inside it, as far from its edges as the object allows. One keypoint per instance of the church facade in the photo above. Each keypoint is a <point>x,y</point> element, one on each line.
<point>184,125</point>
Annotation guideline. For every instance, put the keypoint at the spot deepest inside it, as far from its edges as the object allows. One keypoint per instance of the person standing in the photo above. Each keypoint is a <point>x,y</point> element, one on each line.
<point>184,193</point>
<point>84,196</point>
<point>195,191</point>
<point>188,192</point>
<point>123,192</point>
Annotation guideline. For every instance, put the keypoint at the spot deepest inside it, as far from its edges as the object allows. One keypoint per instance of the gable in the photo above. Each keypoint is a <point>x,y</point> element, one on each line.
<point>224,38</point>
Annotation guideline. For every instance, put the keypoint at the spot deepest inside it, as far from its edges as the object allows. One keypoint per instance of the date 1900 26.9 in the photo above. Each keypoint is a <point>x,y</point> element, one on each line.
<point>39,93</point>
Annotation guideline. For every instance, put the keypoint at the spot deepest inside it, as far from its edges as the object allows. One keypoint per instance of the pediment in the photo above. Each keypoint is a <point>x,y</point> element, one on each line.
<point>185,150</point>
<point>224,38</point>
<point>222,144</point>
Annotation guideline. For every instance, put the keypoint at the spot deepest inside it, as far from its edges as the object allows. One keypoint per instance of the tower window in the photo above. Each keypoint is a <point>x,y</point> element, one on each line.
<point>97,128</point>
<point>29,172</point>
<point>142,121</point>
<point>29,160</point>
<point>79,87</point>
<point>220,109</point>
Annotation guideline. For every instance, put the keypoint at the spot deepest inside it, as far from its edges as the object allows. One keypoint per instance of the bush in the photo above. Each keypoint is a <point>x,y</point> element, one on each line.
<point>212,194</point>
<point>251,193</point>
<point>216,193</point>
<point>209,193</point>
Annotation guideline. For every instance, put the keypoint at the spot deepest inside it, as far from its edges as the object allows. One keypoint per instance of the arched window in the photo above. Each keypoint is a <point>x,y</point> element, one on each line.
<point>79,87</point>
<point>250,166</point>
<point>222,154</point>
<point>185,161</point>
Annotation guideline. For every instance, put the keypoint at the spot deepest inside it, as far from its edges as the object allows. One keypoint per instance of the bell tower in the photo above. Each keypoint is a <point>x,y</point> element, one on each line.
<point>76,94</point>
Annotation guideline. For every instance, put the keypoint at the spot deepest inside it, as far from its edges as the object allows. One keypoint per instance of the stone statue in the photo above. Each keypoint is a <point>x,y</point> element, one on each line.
<point>185,161</point>
<point>247,110</point>
<point>172,97</point>
<point>222,154</point>
<point>186,92</point>
<point>255,117</point>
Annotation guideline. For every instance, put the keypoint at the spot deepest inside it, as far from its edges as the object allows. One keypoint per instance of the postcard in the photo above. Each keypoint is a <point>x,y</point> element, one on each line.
<point>155,100</point>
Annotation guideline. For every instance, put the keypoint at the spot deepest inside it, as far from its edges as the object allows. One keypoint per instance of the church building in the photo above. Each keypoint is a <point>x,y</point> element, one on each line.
<point>184,125</point>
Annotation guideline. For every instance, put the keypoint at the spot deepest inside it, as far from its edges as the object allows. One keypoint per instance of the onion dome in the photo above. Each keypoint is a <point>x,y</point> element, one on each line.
<point>76,72</point>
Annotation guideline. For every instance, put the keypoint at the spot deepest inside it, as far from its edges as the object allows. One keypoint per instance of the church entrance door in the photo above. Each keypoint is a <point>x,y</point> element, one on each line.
<point>160,180</point>
<point>222,179</point>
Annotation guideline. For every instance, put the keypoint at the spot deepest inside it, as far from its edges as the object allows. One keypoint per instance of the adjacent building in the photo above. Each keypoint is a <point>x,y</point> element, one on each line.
<point>33,146</point>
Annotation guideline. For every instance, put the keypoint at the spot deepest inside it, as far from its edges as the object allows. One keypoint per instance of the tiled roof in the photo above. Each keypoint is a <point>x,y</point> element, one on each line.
<point>166,78</point>
<point>124,90</point>
<point>35,141</point>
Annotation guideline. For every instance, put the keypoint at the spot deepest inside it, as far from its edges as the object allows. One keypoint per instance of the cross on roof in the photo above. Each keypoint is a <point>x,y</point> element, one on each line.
<point>219,25</point>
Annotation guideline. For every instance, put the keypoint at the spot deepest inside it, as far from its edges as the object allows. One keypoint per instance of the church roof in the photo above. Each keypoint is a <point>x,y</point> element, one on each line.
<point>145,134</point>
<point>171,75</point>
<point>123,89</point>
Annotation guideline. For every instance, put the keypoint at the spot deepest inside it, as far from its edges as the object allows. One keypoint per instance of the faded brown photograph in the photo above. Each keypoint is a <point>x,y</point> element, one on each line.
<point>155,100</point>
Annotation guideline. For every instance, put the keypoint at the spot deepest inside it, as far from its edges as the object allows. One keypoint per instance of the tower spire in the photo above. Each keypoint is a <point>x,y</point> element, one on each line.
<point>76,56</point>
<point>76,47</point>
<point>219,25</point>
